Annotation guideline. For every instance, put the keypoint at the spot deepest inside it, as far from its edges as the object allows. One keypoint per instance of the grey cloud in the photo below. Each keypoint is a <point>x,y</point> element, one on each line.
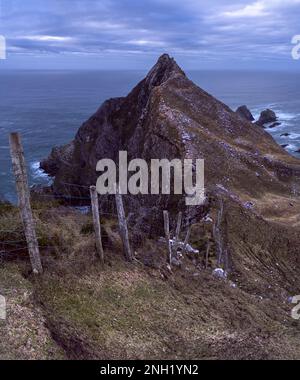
<point>224,31</point>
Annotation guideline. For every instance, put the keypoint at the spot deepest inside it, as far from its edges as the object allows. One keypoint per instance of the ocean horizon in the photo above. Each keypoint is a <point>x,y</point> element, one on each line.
<point>48,106</point>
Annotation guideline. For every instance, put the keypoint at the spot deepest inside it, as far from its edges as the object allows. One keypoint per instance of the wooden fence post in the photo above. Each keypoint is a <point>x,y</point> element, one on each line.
<point>96,220</point>
<point>167,234</point>
<point>123,225</point>
<point>217,231</point>
<point>177,233</point>
<point>186,240</point>
<point>19,168</point>
<point>207,254</point>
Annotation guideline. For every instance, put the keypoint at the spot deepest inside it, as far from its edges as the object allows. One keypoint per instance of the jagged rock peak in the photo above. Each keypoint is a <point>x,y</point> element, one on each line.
<point>165,68</point>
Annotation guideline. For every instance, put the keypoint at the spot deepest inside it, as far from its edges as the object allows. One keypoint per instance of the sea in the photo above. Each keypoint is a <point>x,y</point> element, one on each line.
<point>48,107</point>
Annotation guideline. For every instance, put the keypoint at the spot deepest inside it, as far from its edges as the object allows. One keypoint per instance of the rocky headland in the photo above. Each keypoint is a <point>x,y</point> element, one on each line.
<point>167,116</point>
<point>229,298</point>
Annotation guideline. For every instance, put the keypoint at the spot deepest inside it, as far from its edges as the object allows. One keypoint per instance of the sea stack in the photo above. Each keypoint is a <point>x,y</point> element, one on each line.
<point>267,116</point>
<point>245,113</point>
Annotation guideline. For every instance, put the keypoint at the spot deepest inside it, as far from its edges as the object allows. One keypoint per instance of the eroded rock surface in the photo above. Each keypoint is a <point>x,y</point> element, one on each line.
<point>267,116</point>
<point>167,116</point>
<point>245,113</point>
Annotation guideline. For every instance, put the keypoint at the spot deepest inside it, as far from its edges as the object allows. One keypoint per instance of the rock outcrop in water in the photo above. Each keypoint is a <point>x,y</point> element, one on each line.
<point>267,116</point>
<point>245,113</point>
<point>274,125</point>
<point>57,158</point>
<point>167,116</point>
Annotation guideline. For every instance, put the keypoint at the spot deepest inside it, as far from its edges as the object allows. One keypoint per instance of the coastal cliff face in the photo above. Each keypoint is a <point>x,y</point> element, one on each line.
<point>168,116</point>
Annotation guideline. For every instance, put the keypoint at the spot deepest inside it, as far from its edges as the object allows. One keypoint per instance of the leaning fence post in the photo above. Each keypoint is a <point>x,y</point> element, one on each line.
<point>167,233</point>
<point>96,220</point>
<point>123,225</point>
<point>19,168</point>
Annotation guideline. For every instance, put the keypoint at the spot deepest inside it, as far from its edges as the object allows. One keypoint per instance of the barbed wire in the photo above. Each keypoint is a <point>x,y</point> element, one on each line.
<point>42,247</point>
<point>12,242</point>
<point>63,196</point>
<point>11,231</point>
<point>109,214</point>
<point>14,250</point>
<point>75,185</point>
<point>8,247</point>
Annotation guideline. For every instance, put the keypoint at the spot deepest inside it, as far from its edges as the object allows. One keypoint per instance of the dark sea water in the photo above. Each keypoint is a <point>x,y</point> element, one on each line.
<point>47,107</point>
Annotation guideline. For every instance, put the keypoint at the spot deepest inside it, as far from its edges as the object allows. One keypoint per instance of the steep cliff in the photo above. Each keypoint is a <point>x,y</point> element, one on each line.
<point>168,116</point>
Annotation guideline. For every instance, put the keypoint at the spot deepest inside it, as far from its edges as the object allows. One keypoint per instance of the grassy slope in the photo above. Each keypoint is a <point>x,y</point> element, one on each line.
<point>24,334</point>
<point>125,312</point>
<point>80,310</point>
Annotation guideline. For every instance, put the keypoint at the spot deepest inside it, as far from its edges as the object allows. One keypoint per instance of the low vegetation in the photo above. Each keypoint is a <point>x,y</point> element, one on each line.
<point>80,310</point>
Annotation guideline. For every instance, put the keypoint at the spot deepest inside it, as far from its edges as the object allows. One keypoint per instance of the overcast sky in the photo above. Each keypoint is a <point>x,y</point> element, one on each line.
<point>130,34</point>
